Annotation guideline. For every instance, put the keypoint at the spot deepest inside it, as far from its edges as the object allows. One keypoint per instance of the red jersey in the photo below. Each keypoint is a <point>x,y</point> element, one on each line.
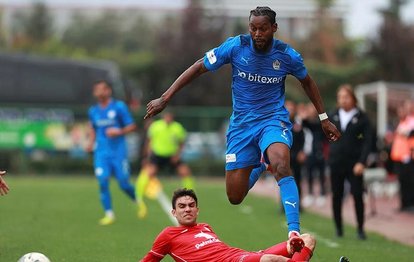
<point>196,243</point>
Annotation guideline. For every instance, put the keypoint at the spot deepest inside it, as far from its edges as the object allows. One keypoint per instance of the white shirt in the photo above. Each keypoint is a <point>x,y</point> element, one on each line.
<point>345,117</point>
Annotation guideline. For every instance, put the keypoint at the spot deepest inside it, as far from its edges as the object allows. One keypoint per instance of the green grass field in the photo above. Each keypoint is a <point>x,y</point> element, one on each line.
<point>58,216</point>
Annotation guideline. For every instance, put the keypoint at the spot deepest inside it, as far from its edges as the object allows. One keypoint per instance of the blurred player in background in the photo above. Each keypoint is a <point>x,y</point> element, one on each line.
<point>110,121</point>
<point>4,188</point>
<point>192,241</point>
<point>260,122</point>
<point>165,142</point>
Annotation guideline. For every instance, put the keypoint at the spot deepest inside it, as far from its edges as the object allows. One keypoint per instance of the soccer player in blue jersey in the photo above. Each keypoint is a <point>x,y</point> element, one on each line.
<point>110,121</point>
<point>260,123</point>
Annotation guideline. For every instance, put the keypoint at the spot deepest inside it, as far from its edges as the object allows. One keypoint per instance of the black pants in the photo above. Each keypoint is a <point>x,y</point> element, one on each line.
<point>297,174</point>
<point>405,173</point>
<point>313,164</point>
<point>338,175</point>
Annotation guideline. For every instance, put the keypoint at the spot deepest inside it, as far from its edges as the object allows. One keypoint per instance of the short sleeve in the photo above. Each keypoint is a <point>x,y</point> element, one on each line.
<point>124,115</point>
<point>180,132</point>
<point>297,68</point>
<point>161,246</point>
<point>221,55</point>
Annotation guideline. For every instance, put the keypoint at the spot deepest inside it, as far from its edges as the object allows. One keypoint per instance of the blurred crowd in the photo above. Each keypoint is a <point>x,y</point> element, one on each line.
<point>342,167</point>
<point>401,161</point>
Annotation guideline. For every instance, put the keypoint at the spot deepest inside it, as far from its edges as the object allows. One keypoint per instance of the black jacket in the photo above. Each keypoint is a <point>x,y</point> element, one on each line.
<point>355,143</point>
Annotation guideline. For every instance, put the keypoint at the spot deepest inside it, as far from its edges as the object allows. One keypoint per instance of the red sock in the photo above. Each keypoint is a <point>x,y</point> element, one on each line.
<point>304,255</point>
<point>279,249</point>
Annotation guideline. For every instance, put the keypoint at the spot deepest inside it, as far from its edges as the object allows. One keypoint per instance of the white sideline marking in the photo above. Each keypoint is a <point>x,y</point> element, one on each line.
<point>326,241</point>
<point>166,206</point>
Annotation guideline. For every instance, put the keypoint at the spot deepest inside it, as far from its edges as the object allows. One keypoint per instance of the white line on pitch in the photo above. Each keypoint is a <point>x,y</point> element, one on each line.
<point>166,206</point>
<point>328,242</point>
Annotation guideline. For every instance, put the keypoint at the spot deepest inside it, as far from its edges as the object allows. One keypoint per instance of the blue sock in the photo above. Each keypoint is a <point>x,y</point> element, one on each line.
<point>127,187</point>
<point>105,195</point>
<point>255,174</point>
<point>290,200</point>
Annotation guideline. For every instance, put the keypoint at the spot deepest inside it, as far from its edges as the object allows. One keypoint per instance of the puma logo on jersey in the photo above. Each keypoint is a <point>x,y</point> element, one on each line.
<point>209,240</point>
<point>284,134</point>
<point>290,203</point>
<point>202,234</point>
<point>245,60</point>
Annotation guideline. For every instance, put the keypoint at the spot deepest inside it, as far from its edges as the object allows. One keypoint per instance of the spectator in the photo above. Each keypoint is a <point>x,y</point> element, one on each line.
<point>315,160</point>
<point>348,156</point>
<point>165,142</point>
<point>401,154</point>
<point>297,156</point>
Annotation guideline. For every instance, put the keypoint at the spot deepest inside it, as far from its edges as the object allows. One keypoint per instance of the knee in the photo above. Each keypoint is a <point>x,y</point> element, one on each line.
<point>235,199</point>
<point>282,171</point>
<point>310,241</point>
<point>103,180</point>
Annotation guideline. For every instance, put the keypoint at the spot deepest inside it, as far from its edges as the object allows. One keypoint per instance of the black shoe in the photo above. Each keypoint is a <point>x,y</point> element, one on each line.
<point>343,259</point>
<point>362,235</point>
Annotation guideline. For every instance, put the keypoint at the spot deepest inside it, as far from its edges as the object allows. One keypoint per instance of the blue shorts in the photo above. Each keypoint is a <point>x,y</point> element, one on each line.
<point>246,144</point>
<point>106,166</point>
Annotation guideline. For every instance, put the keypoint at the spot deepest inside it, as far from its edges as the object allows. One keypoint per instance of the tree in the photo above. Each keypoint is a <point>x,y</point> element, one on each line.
<point>179,43</point>
<point>394,48</point>
<point>331,58</point>
<point>92,34</point>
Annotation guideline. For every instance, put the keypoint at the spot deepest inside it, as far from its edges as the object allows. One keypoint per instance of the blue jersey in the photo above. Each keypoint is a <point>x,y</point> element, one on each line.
<point>116,115</point>
<point>258,80</point>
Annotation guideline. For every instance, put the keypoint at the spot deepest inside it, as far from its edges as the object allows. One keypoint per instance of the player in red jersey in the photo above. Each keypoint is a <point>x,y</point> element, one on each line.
<point>197,242</point>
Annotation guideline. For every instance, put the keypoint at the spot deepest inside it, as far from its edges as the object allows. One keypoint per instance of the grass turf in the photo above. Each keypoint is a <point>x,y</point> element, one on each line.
<point>58,216</point>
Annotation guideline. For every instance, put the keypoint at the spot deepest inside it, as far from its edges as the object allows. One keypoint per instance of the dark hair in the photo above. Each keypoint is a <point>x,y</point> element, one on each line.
<point>183,192</point>
<point>264,11</point>
<point>102,81</point>
<point>348,88</point>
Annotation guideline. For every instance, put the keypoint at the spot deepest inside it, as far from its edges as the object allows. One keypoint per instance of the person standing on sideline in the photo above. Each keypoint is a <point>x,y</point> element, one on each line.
<point>315,159</point>
<point>260,123</point>
<point>297,155</point>
<point>165,143</point>
<point>110,121</point>
<point>402,154</point>
<point>348,156</point>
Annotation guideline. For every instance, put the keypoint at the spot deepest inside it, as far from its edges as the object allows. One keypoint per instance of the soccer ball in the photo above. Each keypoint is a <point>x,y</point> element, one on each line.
<point>34,257</point>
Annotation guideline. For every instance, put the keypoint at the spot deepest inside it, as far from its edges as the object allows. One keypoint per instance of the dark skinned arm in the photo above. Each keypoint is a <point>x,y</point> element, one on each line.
<point>312,91</point>
<point>157,105</point>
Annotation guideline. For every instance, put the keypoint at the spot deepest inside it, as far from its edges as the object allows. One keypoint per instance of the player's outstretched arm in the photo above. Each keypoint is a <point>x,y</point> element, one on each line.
<point>157,105</point>
<point>312,90</point>
<point>4,188</point>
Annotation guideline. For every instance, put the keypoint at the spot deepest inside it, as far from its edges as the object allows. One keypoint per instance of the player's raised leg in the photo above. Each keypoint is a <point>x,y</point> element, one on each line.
<point>243,166</point>
<point>237,184</point>
<point>279,157</point>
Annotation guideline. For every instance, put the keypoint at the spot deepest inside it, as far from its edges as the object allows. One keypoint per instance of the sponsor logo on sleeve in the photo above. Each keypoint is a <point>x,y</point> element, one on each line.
<point>211,56</point>
<point>230,158</point>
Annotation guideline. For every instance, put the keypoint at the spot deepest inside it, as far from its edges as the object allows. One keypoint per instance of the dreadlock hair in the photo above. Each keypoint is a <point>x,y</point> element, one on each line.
<point>264,11</point>
<point>183,192</point>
